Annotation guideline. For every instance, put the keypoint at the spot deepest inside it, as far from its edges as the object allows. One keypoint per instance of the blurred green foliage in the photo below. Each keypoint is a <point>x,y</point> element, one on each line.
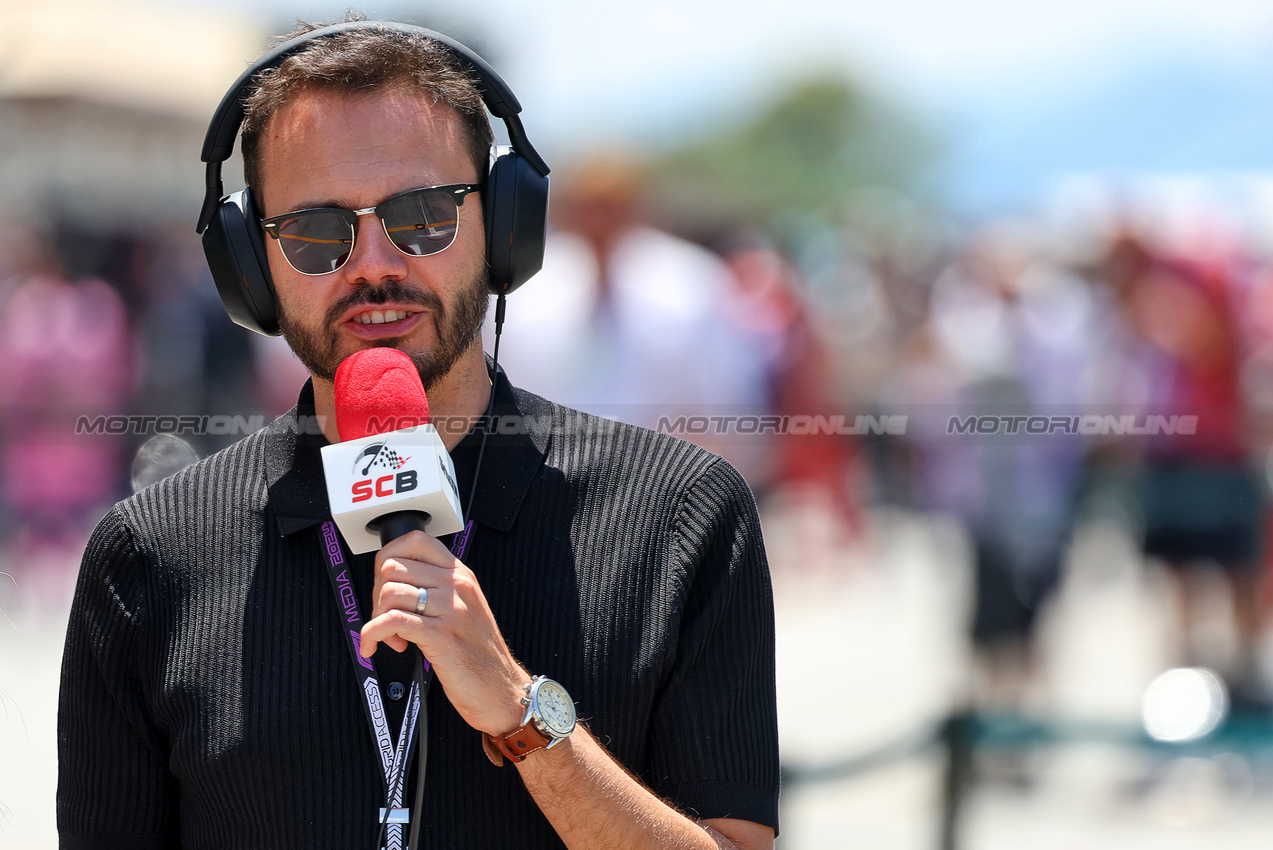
<point>807,152</point>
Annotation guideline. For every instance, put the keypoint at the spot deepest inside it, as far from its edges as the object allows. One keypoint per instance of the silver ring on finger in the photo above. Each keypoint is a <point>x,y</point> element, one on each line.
<point>421,601</point>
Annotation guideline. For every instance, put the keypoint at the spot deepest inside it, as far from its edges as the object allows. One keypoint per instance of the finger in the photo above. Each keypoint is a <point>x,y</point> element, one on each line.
<point>395,628</point>
<point>414,546</point>
<point>407,571</point>
<point>404,570</point>
<point>367,648</point>
<point>397,643</point>
<point>406,597</point>
<point>370,641</point>
<point>414,574</point>
<point>418,546</point>
<point>390,596</point>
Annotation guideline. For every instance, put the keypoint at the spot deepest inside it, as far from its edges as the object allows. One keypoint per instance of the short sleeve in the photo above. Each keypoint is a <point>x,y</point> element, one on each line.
<point>114,789</point>
<point>714,736</point>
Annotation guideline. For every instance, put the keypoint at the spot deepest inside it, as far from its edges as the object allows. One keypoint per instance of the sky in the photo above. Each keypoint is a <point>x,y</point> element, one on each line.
<point>1019,93</point>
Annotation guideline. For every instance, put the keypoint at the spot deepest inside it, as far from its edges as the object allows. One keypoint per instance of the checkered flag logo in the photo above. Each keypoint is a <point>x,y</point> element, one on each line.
<point>389,459</point>
<point>378,456</point>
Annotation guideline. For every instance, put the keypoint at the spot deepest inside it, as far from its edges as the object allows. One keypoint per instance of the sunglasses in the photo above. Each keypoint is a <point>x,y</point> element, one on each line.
<point>419,223</point>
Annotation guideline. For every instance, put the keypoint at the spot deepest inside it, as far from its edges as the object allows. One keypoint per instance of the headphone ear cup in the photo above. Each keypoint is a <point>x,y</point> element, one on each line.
<point>235,248</point>
<point>515,205</point>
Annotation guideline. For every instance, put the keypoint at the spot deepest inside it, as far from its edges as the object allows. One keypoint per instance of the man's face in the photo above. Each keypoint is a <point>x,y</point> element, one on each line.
<point>325,150</point>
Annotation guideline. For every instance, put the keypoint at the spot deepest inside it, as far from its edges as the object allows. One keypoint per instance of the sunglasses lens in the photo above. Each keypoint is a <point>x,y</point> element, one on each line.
<point>316,242</point>
<point>421,223</point>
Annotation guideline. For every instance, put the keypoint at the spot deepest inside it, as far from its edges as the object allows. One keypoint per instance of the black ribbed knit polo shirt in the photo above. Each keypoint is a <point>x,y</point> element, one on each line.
<point>208,699</point>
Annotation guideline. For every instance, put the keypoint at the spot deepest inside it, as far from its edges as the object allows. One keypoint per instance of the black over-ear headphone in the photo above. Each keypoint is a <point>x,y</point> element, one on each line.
<point>514,199</point>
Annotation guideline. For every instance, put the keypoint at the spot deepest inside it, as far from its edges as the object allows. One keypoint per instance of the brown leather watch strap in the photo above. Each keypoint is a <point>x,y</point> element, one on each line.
<point>515,745</point>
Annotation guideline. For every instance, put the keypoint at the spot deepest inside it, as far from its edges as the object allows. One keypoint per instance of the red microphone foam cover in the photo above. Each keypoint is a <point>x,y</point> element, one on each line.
<point>378,390</point>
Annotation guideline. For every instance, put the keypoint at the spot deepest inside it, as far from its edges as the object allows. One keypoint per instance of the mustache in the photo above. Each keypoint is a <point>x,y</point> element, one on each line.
<point>374,296</point>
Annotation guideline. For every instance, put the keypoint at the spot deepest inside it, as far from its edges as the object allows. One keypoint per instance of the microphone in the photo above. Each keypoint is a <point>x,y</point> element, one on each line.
<point>390,474</point>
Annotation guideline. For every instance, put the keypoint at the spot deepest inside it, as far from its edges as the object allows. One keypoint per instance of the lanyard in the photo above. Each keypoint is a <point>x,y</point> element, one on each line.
<point>393,759</point>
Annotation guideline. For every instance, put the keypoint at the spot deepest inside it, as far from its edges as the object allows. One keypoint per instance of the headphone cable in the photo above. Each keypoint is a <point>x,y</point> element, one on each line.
<point>422,744</point>
<point>490,406</point>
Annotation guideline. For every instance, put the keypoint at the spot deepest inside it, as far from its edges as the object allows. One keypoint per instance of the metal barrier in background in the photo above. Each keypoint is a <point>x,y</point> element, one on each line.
<point>965,735</point>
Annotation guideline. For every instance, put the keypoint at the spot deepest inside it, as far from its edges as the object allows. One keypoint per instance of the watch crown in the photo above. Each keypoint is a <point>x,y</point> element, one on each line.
<point>526,687</point>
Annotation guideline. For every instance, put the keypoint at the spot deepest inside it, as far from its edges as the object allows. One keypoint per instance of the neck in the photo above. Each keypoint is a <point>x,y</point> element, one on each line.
<point>464,391</point>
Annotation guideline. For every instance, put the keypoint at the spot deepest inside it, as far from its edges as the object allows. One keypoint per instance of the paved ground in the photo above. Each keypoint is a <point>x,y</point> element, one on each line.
<point>870,651</point>
<point>31,636</point>
<point>875,647</point>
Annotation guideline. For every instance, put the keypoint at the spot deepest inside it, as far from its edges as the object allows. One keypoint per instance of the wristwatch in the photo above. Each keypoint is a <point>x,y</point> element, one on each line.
<point>549,718</point>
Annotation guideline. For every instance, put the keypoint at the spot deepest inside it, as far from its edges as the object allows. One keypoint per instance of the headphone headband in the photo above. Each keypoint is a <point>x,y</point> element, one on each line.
<point>218,143</point>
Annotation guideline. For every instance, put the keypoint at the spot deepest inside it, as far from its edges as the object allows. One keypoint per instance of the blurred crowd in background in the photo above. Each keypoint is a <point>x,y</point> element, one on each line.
<point>844,329</point>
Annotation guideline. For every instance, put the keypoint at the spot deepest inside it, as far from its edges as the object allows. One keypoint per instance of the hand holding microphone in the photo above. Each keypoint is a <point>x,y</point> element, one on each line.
<point>391,483</point>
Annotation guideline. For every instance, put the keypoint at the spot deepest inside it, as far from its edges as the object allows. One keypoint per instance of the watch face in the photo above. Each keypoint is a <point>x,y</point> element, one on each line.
<point>556,709</point>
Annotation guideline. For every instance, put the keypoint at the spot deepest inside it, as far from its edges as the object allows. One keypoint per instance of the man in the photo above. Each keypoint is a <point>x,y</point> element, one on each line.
<point>633,323</point>
<point>207,699</point>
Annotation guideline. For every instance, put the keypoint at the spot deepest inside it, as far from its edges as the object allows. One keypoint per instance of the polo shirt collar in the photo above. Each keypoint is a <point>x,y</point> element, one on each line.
<point>514,452</point>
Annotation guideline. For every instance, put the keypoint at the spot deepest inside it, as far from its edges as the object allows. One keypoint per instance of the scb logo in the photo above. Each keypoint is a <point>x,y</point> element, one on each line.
<point>380,456</point>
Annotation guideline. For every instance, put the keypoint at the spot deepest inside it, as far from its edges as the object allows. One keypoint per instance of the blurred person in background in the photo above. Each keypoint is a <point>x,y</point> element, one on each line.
<point>636,324</point>
<point>771,305</point>
<point>1009,333</point>
<point>193,358</point>
<point>66,347</point>
<point>1199,496</point>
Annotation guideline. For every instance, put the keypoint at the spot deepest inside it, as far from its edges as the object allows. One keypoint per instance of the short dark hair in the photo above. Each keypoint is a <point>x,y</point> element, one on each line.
<point>363,62</point>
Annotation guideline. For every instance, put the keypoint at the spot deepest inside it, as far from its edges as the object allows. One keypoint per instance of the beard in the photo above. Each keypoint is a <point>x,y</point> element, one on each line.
<point>455,330</point>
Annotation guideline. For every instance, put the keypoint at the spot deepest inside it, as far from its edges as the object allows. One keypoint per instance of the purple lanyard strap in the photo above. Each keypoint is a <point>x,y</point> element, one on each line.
<point>393,759</point>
